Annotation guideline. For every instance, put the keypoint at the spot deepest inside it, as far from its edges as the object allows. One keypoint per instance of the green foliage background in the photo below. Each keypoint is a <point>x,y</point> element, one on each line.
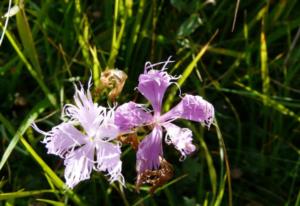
<point>250,74</point>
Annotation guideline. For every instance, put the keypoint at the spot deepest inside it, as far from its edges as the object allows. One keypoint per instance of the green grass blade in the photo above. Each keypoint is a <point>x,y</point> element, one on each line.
<point>187,72</point>
<point>135,30</point>
<point>51,202</point>
<point>33,73</point>
<point>298,199</point>
<point>96,66</point>
<point>221,193</point>
<point>141,200</point>
<point>20,194</point>
<point>56,180</point>
<point>224,160</point>
<point>27,39</point>
<point>211,168</point>
<point>264,64</point>
<point>39,108</point>
<point>269,101</point>
<point>19,136</point>
<point>116,39</point>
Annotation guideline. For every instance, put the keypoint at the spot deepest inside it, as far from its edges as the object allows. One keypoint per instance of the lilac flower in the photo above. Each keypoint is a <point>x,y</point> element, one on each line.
<point>153,85</point>
<point>85,141</point>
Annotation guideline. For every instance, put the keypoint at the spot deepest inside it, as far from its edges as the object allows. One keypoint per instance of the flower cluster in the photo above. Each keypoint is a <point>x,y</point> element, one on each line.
<point>86,141</point>
<point>89,139</point>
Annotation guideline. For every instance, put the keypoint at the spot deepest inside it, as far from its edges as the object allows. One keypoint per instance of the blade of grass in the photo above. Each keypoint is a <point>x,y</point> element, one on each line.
<point>51,202</point>
<point>186,73</point>
<point>221,193</point>
<point>270,102</point>
<point>264,63</point>
<point>27,39</point>
<point>170,197</point>
<point>20,194</point>
<point>298,199</point>
<point>159,189</point>
<point>96,66</point>
<point>211,169</point>
<point>224,159</point>
<point>6,22</point>
<point>33,73</point>
<point>116,39</point>
<point>39,108</point>
<point>55,179</point>
<point>235,14</point>
<point>121,193</point>
<point>135,30</point>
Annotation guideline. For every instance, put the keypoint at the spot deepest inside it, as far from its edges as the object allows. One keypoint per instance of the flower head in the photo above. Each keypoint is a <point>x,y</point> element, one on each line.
<point>153,85</point>
<point>86,140</point>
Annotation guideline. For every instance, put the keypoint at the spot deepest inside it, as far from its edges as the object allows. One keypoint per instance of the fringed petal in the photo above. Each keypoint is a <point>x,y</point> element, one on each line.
<point>85,111</point>
<point>108,160</point>
<point>107,130</point>
<point>191,108</point>
<point>154,83</point>
<point>181,138</point>
<point>131,115</point>
<point>62,139</point>
<point>149,151</point>
<point>79,165</point>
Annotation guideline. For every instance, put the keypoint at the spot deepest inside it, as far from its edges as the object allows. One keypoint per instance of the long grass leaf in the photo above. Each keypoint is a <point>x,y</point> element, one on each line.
<point>51,174</point>
<point>27,39</point>
<point>186,73</point>
<point>56,180</point>
<point>264,64</point>
<point>51,202</point>
<point>33,73</point>
<point>224,160</point>
<point>269,102</point>
<point>211,168</point>
<point>135,30</point>
<point>20,194</point>
<point>116,39</point>
<point>159,189</point>
<point>40,107</point>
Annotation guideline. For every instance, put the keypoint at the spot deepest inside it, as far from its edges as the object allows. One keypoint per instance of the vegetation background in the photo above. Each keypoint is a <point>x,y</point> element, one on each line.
<point>249,71</point>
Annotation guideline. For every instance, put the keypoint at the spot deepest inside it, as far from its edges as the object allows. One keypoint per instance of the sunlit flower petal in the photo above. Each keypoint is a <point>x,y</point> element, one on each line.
<point>106,130</point>
<point>149,151</point>
<point>181,138</point>
<point>79,165</point>
<point>131,115</point>
<point>154,83</point>
<point>108,160</point>
<point>85,111</point>
<point>61,139</point>
<point>191,108</point>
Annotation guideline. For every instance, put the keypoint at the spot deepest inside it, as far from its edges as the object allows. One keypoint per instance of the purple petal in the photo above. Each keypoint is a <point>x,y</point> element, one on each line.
<point>131,115</point>
<point>79,165</point>
<point>181,138</point>
<point>153,84</point>
<point>108,160</point>
<point>106,129</point>
<point>62,139</point>
<point>85,111</point>
<point>149,151</point>
<point>191,108</point>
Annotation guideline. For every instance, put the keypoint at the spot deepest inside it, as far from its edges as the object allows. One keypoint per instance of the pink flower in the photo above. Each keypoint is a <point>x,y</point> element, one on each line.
<point>153,85</point>
<point>86,140</point>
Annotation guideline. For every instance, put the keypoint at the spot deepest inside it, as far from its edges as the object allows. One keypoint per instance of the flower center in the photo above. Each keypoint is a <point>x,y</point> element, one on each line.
<point>156,120</point>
